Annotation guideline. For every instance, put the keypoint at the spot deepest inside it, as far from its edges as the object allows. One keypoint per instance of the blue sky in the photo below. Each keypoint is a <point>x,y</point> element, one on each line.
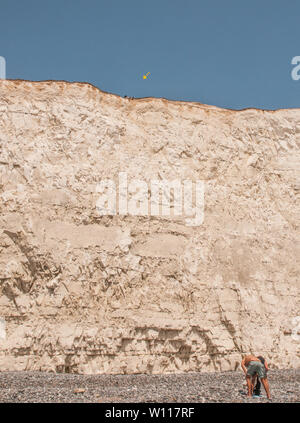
<point>229,53</point>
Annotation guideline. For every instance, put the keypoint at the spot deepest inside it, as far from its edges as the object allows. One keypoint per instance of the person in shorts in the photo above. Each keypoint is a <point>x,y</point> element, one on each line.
<point>256,389</point>
<point>253,367</point>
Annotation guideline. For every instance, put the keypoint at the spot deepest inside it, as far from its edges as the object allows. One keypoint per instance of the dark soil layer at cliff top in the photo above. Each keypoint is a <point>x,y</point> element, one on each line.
<point>191,387</point>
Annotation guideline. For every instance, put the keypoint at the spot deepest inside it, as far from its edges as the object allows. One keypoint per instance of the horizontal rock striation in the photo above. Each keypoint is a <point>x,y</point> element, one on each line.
<point>86,292</point>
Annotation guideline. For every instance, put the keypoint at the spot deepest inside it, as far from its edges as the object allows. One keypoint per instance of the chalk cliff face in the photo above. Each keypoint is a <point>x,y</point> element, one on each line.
<point>119,293</point>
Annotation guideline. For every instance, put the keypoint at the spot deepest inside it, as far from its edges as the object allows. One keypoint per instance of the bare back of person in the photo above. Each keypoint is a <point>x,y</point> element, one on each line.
<point>249,358</point>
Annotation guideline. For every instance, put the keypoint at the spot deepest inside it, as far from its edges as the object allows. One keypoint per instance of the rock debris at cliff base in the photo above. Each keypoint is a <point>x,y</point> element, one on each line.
<point>190,387</point>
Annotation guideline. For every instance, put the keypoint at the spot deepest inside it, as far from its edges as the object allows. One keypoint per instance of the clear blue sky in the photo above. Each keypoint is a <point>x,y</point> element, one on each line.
<point>229,53</point>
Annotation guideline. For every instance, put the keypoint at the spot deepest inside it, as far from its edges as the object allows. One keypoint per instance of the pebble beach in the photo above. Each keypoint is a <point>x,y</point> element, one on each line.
<point>222,387</point>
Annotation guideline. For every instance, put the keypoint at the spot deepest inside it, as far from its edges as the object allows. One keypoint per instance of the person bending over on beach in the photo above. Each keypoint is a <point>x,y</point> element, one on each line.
<point>256,389</point>
<point>252,367</point>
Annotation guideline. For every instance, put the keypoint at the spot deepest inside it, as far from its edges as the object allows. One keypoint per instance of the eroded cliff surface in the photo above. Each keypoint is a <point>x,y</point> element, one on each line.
<point>90,293</point>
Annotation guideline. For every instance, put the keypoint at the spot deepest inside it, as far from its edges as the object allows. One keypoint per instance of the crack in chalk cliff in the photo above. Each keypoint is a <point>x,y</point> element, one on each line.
<point>38,264</point>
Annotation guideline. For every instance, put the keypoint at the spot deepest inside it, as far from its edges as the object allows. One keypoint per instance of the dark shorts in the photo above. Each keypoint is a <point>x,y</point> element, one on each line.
<point>256,368</point>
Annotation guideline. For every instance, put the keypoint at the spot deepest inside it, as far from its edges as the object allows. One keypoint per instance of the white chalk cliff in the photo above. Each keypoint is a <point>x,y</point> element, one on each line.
<point>90,293</point>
